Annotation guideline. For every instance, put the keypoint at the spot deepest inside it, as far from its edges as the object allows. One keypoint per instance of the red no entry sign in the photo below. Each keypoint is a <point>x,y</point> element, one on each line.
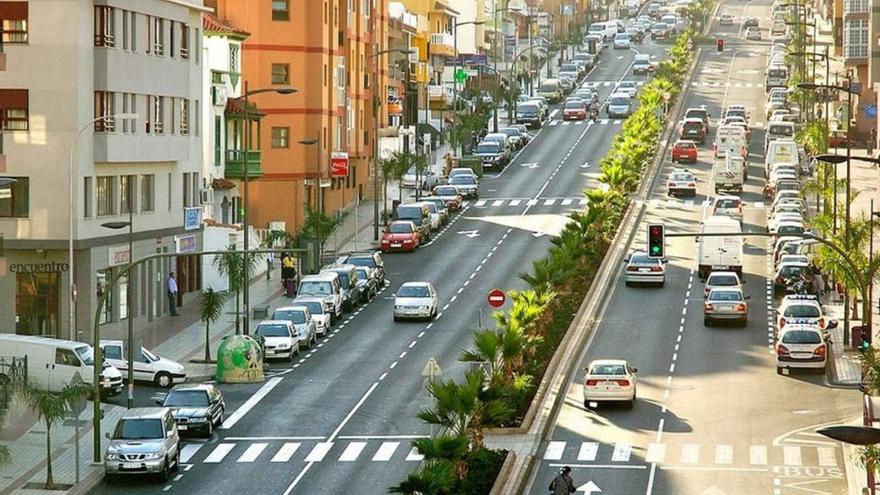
<point>496,298</point>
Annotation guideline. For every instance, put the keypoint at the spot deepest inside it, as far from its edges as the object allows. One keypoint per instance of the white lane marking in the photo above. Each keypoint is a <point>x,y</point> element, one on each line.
<point>414,455</point>
<point>758,455</point>
<point>827,456</point>
<point>549,202</point>
<point>253,451</point>
<point>188,451</point>
<point>382,376</point>
<point>351,453</point>
<point>319,451</point>
<point>250,403</point>
<point>656,452</point>
<point>285,452</point>
<point>588,451</point>
<point>480,203</point>
<point>497,202</point>
<point>566,202</point>
<point>386,450</point>
<point>724,454</point>
<point>622,452</point>
<point>554,451</point>
<point>219,453</point>
<point>553,113</point>
<point>515,202</point>
<point>791,455</point>
<point>690,453</point>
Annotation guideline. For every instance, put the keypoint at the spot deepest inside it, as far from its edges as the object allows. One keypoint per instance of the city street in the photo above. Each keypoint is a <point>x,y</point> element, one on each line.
<point>712,415</point>
<point>344,415</point>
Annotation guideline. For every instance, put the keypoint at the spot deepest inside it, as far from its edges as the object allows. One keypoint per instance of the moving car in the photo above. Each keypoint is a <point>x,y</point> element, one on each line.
<point>800,345</point>
<point>415,300</point>
<point>701,113</point>
<point>642,64</point>
<point>619,105</point>
<point>728,206</point>
<point>148,367</point>
<point>684,150</point>
<point>281,338</point>
<point>726,19</point>
<point>640,268</point>
<point>750,20</point>
<point>467,186</point>
<point>197,407</point>
<point>492,154</point>
<point>144,441</point>
<point>608,380</point>
<point>529,114</point>
<point>628,87</point>
<point>317,310</point>
<point>681,182</point>
<point>726,304</point>
<point>574,110</point>
<point>660,30</point>
<point>721,280</point>
<point>715,253</point>
<point>753,33</point>
<point>692,129</point>
<point>305,326</point>
<point>450,195</point>
<point>621,41</point>
<point>400,235</point>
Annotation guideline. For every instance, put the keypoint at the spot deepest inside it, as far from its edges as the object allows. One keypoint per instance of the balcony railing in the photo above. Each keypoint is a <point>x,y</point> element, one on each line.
<point>442,39</point>
<point>235,164</point>
<point>438,92</point>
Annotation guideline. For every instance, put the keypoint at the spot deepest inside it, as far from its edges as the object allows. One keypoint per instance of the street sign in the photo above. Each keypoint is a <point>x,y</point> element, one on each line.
<point>461,75</point>
<point>339,164</point>
<point>432,369</point>
<point>497,298</point>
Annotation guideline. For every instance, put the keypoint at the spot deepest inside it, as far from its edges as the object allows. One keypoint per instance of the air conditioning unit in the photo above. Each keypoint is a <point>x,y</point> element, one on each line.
<point>219,95</point>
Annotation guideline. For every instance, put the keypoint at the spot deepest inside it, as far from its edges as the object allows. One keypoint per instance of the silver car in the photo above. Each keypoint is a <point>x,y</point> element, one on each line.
<point>145,441</point>
<point>306,328</point>
<point>726,304</point>
<point>415,300</point>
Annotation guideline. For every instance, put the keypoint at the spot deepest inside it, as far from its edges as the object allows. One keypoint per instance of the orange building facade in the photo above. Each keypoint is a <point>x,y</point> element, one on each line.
<point>323,49</point>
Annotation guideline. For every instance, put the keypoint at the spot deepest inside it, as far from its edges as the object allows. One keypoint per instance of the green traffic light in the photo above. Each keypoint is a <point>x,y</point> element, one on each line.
<point>655,249</point>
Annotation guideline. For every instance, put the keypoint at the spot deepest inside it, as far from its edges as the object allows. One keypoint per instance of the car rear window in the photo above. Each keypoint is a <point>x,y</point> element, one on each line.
<point>693,125</point>
<point>463,180</point>
<point>725,295</point>
<point>727,203</point>
<point>643,259</point>
<point>801,337</point>
<point>686,144</point>
<point>272,330</point>
<point>409,212</point>
<point>682,177</point>
<point>608,369</point>
<point>722,281</point>
<point>575,104</point>
<point>790,229</point>
<point>618,100</point>
<point>315,307</point>
<point>445,191</point>
<point>488,148</point>
<point>792,271</point>
<point>802,311</point>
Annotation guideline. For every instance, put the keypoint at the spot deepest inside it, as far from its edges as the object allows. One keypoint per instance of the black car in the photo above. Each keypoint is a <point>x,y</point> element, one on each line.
<point>366,283</point>
<point>370,259</point>
<point>529,114</point>
<point>196,408</point>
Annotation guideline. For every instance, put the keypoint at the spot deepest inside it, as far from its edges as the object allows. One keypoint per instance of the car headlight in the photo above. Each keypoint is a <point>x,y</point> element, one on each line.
<point>400,308</point>
<point>154,455</point>
<point>112,456</point>
<point>425,308</point>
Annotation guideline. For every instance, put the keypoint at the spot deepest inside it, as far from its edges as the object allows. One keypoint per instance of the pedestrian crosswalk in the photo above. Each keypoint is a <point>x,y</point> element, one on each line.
<point>523,202</point>
<point>725,84</point>
<point>280,451</point>
<point>554,123</point>
<point>693,454</point>
<point>606,84</point>
<point>690,203</point>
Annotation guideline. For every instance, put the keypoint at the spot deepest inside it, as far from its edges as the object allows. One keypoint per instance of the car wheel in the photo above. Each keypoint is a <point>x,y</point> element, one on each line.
<point>706,321</point>
<point>163,379</point>
<point>220,419</point>
<point>396,319</point>
<point>166,471</point>
<point>631,403</point>
<point>587,404</point>
<point>209,431</point>
<point>628,283</point>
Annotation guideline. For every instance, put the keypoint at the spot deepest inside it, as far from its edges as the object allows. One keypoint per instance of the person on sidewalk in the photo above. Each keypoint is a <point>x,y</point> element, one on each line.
<point>562,484</point>
<point>172,294</point>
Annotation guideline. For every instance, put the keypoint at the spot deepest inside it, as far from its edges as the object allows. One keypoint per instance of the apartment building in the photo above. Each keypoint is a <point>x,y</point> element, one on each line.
<point>323,50</point>
<point>858,50</point>
<point>76,73</point>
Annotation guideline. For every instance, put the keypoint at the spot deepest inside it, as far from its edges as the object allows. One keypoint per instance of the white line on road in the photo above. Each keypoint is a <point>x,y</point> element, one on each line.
<point>253,451</point>
<point>554,451</point>
<point>386,450</point>
<point>791,455</point>
<point>250,403</point>
<point>656,452</point>
<point>319,451</point>
<point>352,452</point>
<point>414,455</point>
<point>588,451</point>
<point>622,452</point>
<point>285,452</point>
<point>402,355</point>
<point>188,451</point>
<point>690,453</point>
<point>382,376</point>
<point>219,453</point>
<point>393,365</point>
<point>413,343</point>
<point>724,454</point>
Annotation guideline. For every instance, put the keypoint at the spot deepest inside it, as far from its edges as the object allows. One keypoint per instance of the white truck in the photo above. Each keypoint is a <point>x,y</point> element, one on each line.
<point>729,173</point>
<point>720,252</point>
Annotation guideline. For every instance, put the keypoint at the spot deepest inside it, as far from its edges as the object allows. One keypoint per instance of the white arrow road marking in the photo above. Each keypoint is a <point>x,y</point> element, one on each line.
<point>589,487</point>
<point>586,165</point>
<point>470,234</point>
<point>529,165</point>
<point>538,234</point>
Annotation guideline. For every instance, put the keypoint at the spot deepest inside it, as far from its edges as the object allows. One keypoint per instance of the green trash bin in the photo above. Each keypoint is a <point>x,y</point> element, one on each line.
<point>472,162</point>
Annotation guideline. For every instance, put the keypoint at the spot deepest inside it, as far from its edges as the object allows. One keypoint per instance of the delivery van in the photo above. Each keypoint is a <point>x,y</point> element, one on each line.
<point>54,363</point>
<point>776,76</point>
<point>730,139</point>
<point>720,252</point>
<point>729,173</point>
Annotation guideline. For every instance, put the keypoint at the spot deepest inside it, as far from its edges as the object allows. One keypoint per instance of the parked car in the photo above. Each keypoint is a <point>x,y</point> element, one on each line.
<point>144,441</point>
<point>684,151</point>
<point>642,269</point>
<point>415,300</point>
<point>515,135</point>
<point>788,273</point>
<point>317,310</point>
<point>148,367</point>
<point>426,178</point>
<point>366,284</point>
<point>439,206</point>
<point>303,323</point>
<point>371,259</point>
<point>196,407</point>
<point>281,338</point>
<point>435,216</point>
<point>450,195</point>
<point>806,309</point>
<point>418,214</point>
<point>327,287</point>
<point>492,154</point>
<point>400,235</point>
<point>608,380</point>
<point>726,304</point>
<point>467,186</point>
<point>348,283</point>
<point>462,171</point>
<point>801,345</point>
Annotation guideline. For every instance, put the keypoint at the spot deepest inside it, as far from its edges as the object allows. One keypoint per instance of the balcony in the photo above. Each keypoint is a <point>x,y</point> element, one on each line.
<point>439,97</point>
<point>443,44</point>
<point>235,160</point>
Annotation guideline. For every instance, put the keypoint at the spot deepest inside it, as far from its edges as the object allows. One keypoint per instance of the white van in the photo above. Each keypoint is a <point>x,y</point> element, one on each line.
<point>778,130</point>
<point>605,29</point>
<point>325,285</point>
<point>780,151</point>
<point>148,367</point>
<point>776,76</point>
<point>730,140</point>
<point>720,252</point>
<point>728,173</point>
<point>54,363</point>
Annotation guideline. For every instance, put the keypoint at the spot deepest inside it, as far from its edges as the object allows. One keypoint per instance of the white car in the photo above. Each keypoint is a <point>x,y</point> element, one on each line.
<point>804,308</point>
<point>434,217</point>
<point>148,367</point>
<point>415,300</point>
<point>801,345</point>
<point>753,33</point>
<point>681,182</point>
<point>608,380</point>
<point>306,328</point>
<point>722,280</point>
<point>318,310</point>
<point>462,171</point>
<point>726,19</point>
<point>426,178</point>
<point>728,206</point>
<point>628,87</point>
<point>642,269</point>
<point>621,41</point>
<point>281,340</point>
<point>779,217</point>
<point>788,228</point>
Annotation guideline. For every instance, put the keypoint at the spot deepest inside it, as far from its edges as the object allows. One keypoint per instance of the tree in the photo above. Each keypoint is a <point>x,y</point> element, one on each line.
<point>322,225</point>
<point>400,163</point>
<point>432,478</point>
<point>210,311</point>
<point>51,407</point>
<point>232,265</point>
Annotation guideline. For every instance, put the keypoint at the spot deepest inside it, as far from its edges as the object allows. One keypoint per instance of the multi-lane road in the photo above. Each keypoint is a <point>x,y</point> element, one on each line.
<point>341,419</point>
<point>712,416</point>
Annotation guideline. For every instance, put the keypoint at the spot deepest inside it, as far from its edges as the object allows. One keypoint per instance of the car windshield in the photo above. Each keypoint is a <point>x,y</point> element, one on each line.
<point>272,330</point>
<point>409,212</point>
<point>618,100</point>
<point>722,281</point>
<point>642,59</point>
<point>315,288</point>
<point>445,191</point>
<point>413,291</point>
<point>463,180</point>
<point>695,114</point>
<point>315,307</point>
<point>621,37</point>
<point>725,295</point>
<point>790,229</point>
<point>138,429</point>
<point>801,337</point>
<point>682,177</point>
<point>487,148</point>
<point>361,261</point>
<point>792,271</point>
<point>727,203</point>
<point>85,354</point>
<point>643,259</point>
<point>608,369</point>
<point>400,228</point>
<point>528,110</point>
<point>192,398</point>
<point>362,274</point>
<point>298,317</point>
<point>550,88</point>
<point>510,131</point>
<point>569,68</point>
<point>578,104</point>
<point>802,311</point>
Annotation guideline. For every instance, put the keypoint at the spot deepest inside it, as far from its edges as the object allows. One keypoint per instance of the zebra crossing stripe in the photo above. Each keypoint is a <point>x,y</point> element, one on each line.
<point>285,452</point>
<point>724,454</point>
<point>758,455</point>
<point>319,451</point>
<point>604,121</point>
<point>622,452</point>
<point>532,202</point>
<point>188,451</point>
<point>579,122</point>
<point>549,202</point>
<point>690,453</point>
<point>566,202</point>
<point>554,122</point>
<point>480,203</point>
<point>252,452</point>
<point>827,456</point>
<point>497,202</point>
<point>386,450</point>
<point>515,202</point>
<point>565,122</point>
<point>588,451</point>
<point>414,455</point>
<point>759,204</point>
<point>219,453</point>
<point>554,451</point>
<point>582,202</point>
<point>656,452</point>
<point>791,455</point>
<point>352,452</point>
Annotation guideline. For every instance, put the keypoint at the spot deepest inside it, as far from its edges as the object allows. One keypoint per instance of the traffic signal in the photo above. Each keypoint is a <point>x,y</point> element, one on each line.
<point>719,45</point>
<point>656,241</point>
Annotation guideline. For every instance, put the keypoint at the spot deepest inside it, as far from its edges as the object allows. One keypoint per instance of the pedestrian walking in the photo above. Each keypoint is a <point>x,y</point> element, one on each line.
<point>562,484</point>
<point>818,281</point>
<point>172,294</point>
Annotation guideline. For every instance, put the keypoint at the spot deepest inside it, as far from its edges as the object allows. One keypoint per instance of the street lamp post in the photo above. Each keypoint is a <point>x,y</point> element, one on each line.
<point>71,185</point>
<point>458,57</point>
<point>505,8</point>
<point>284,90</point>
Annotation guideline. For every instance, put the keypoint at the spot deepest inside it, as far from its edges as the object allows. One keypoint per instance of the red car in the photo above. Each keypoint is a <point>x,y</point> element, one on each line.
<point>401,235</point>
<point>450,195</point>
<point>575,110</point>
<point>684,150</point>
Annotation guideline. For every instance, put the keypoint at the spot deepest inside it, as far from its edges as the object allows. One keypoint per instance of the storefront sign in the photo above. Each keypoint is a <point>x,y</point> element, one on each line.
<point>38,267</point>
<point>192,218</point>
<point>185,243</point>
<point>339,164</point>
<point>118,255</point>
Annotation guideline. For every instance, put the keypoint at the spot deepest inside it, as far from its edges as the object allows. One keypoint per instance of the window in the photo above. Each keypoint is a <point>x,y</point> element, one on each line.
<point>855,38</point>
<point>172,122</point>
<point>66,357</point>
<point>127,107</point>
<point>13,109</point>
<point>14,22</point>
<point>133,32</point>
<point>280,74</point>
<point>127,193</point>
<point>87,197</point>
<point>184,116</point>
<point>197,41</point>
<point>184,41</point>
<point>158,35</point>
<point>105,26</point>
<point>218,140</point>
<point>170,185</point>
<point>106,189</point>
<point>856,6</point>
<point>281,137</point>
<point>14,199</point>
<point>126,28</point>
<point>104,106</point>
<point>148,191</point>
<point>280,10</point>
<point>156,106</point>
<point>186,190</point>
<point>196,187</point>
<point>171,44</point>
<point>196,121</point>
<point>233,58</point>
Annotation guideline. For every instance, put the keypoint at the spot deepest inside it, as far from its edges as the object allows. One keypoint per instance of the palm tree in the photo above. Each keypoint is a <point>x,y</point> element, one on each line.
<point>231,264</point>
<point>51,407</point>
<point>432,478</point>
<point>321,225</point>
<point>442,448</point>
<point>210,311</point>
<point>486,349</point>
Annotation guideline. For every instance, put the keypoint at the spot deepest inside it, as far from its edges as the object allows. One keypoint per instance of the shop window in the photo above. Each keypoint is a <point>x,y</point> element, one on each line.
<point>36,303</point>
